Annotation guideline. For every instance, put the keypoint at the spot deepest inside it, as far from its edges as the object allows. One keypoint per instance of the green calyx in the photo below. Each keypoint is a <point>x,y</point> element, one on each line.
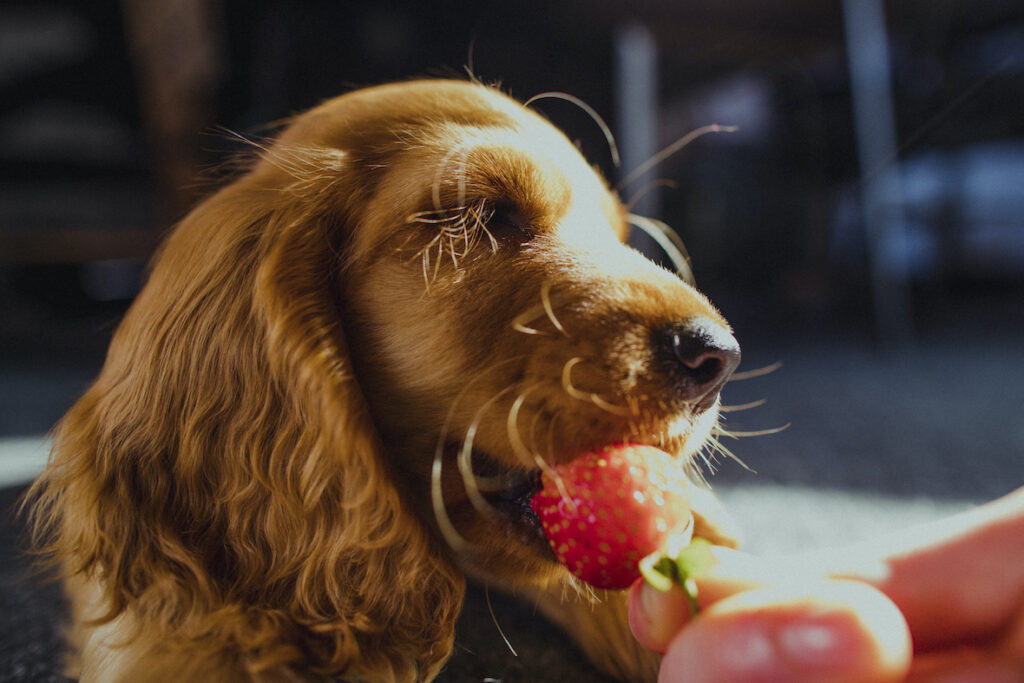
<point>662,571</point>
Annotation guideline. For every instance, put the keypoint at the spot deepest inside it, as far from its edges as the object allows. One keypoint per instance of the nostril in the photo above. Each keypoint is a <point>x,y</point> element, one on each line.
<point>703,364</point>
<point>703,355</point>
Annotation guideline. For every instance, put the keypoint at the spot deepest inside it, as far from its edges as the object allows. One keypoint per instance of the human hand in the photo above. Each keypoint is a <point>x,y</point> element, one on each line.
<point>942,602</point>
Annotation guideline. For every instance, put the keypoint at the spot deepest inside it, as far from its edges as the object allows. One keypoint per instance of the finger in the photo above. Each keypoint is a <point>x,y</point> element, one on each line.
<point>825,630</point>
<point>958,579</point>
<point>655,616</point>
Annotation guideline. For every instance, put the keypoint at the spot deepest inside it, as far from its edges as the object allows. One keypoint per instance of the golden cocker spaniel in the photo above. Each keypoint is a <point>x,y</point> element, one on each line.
<point>331,400</point>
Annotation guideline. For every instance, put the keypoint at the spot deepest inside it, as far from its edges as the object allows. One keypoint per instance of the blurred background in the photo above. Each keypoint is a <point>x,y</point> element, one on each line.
<point>863,227</point>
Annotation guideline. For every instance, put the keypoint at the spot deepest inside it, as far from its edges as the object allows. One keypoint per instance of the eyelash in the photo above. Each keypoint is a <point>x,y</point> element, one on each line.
<point>459,231</point>
<point>469,224</point>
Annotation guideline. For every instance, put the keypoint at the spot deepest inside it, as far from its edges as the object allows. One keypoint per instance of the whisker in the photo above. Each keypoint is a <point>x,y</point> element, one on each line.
<point>587,396</point>
<point>545,297</point>
<point>490,236</point>
<point>742,406</point>
<point>550,440</point>
<point>590,111</point>
<point>672,149</point>
<point>706,452</point>
<point>744,434</point>
<point>532,433</point>
<point>563,491</point>
<point>465,462</point>
<point>477,377</point>
<point>718,446</point>
<point>567,381</point>
<point>512,427</point>
<point>609,407</point>
<point>546,468</point>
<point>425,258</point>
<point>531,313</point>
<point>695,470</point>
<point>435,192</point>
<point>669,242</point>
<point>634,405</point>
<point>525,455</point>
<point>468,66</point>
<point>444,217</point>
<point>635,197</point>
<point>451,536</point>
<point>518,327</point>
<point>452,239</point>
<point>482,215</point>
<point>750,374</point>
<point>586,591</point>
<point>440,250</point>
<point>487,596</point>
<point>534,312</point>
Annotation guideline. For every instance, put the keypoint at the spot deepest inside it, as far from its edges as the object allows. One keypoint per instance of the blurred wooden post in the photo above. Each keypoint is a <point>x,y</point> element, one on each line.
<point>176,50</point>
<point>637,109</point>
<point>636,94</point>
<point>881,188</point>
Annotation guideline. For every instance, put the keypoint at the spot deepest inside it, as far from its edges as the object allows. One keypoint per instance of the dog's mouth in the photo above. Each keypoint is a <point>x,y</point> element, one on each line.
<point>506,493</point>
<point>499,494</point>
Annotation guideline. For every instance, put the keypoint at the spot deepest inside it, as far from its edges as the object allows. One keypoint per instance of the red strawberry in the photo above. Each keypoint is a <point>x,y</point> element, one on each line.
<point>605,511</point>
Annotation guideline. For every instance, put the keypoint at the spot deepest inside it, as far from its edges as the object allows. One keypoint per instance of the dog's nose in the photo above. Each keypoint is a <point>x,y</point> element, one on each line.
<point>700,355</point>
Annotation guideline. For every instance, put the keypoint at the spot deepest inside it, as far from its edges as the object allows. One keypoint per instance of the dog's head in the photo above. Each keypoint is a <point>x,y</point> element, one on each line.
<point>496,321</point>
<point>346,370</point>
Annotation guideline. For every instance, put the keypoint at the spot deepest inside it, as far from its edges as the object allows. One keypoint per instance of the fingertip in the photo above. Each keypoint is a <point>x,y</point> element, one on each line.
<point>815,632</point>
<point>655,617</point>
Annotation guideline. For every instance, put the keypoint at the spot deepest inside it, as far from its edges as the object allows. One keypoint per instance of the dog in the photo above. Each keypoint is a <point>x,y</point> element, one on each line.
<point>329,404</point>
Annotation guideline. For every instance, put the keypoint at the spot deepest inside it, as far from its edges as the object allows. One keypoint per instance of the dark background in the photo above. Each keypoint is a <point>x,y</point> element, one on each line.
<point>113,120</point>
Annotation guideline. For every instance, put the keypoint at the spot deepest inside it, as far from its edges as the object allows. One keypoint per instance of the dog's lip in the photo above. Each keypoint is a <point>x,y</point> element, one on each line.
<point>511,490</point>
<point>513,485</point>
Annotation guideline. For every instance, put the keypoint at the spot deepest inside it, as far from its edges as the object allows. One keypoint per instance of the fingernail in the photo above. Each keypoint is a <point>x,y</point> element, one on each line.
<point>648,601</point>
<point>662,615</point>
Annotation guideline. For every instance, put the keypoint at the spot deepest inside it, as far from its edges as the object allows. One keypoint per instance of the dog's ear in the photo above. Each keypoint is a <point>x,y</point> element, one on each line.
<point>223,476</point>
<point>379,567</point>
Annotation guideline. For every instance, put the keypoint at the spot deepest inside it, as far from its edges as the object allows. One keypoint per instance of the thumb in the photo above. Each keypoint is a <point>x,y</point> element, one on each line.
<point>826,630</point>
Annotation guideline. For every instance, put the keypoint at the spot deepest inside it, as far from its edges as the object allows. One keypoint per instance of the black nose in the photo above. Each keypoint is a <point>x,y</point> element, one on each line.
<point>700,355</point>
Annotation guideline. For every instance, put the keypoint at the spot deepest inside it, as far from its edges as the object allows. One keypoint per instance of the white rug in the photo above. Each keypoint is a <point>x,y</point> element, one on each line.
<point>22,458</point>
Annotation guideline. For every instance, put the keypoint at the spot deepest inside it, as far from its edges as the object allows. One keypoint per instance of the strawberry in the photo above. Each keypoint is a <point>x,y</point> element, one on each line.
<point>607,510</point>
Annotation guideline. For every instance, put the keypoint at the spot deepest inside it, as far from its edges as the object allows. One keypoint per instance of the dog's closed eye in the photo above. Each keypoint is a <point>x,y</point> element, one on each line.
<point>508,224</point>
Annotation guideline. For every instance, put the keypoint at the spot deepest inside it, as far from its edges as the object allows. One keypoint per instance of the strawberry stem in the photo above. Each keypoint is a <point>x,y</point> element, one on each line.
<point>662,571</point>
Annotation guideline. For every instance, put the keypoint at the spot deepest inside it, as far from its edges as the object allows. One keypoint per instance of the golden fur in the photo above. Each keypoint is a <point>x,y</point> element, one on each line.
<point>416,295</point>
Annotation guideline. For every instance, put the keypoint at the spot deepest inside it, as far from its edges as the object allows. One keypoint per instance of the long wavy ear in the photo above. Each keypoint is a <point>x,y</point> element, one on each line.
<point>223,476</point>
<point>395,581</point>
